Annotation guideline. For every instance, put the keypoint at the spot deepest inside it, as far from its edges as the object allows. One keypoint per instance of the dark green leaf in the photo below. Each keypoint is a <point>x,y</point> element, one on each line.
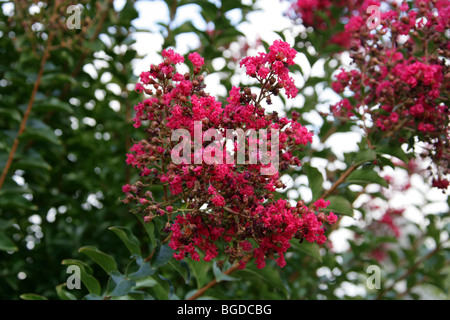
<point>56,79</point>
<point>219,275</point>
<point>200,270</point>
<point>127,238</point>
<point>102,259</point>
<point>182,268</point>
<point>267,274</point>
<point>88,280</point>
<point>311,249</point>
<point>144,269</point>
<point>162,256</point>
<point>365,155</point>
<point>120,285</point>
<point>339,205</point>
<point>6,244</point>
<point>315,179</point>
<point>366,176</point>
<point>64,294</point>
<point>52,104</point>
<point>32,296</point>
<point>393,151</point>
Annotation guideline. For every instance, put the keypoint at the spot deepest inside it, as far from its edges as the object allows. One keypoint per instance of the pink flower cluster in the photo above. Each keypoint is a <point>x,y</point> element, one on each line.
<point>325,14</point>
<point>402,81</point>
<point>265,233</point>
<point>263,66</point>
<point>221,208</point>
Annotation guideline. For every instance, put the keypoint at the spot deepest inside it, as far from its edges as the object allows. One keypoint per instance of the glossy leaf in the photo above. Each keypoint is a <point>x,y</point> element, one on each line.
<point>128,239</point>
<point>32,296</point>
<point>90,282</point>
<point>121,286</point>
<point>339,205</point>
<point>311,249</point>
<point>315,179</point>
<point>63,294</point>
<point>102,259</point>
<point>366,176</point>
<point>162,256</point>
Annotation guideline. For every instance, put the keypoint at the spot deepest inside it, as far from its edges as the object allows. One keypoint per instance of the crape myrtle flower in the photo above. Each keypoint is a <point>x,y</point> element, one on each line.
<point>221,208</point>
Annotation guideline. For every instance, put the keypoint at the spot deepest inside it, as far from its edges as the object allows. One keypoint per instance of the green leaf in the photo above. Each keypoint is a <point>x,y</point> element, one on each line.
<point>52,104</point>
<point>365,155</point>
<point>121,286</point>
<point>128,239</point>
<point>64,294</point>
<point>312,81</point>
<point>37,130</point>
<point>267,274</point>
<point>324,16</point>
<point>17,202</point>
<point>311,249</point>
<point>163,255</point>
<point>88,280</point>
<point>315,179</point>
<point>171,294</point>
<point>5,224</point>
<point>7,244</point>
<point>393,151</point>
<point>433,230</point>
<point>384,239</point>
<point>182,268</point>
<point>32,296</point>
<point>200,270</point>
<point>365,176</point>
<point>92,296</point>
<point>219,275</point>
<point>32,163</point>
<point>144,269</point>
<point>102,259</point>
<point>12,114</point>
<point>128,13</point>
<point>147,282</point>
<point>162,289</point>
<point>339,205</point>
<point>56,79</point>
<point>149,228</point>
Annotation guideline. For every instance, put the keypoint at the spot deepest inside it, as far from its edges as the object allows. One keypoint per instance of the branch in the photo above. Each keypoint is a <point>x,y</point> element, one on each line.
<point>202,290</point>
<point>341,180</point>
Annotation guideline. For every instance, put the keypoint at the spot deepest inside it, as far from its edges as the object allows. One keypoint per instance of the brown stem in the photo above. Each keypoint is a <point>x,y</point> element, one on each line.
<point>397,127</point>
<point>339,181</point>
<point>28,110</point>
<point>234,212</point>
<point>202,290</point>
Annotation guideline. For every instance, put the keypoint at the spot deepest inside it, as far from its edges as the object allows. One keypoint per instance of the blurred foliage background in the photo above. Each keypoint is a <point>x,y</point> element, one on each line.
<point>66,104</point>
